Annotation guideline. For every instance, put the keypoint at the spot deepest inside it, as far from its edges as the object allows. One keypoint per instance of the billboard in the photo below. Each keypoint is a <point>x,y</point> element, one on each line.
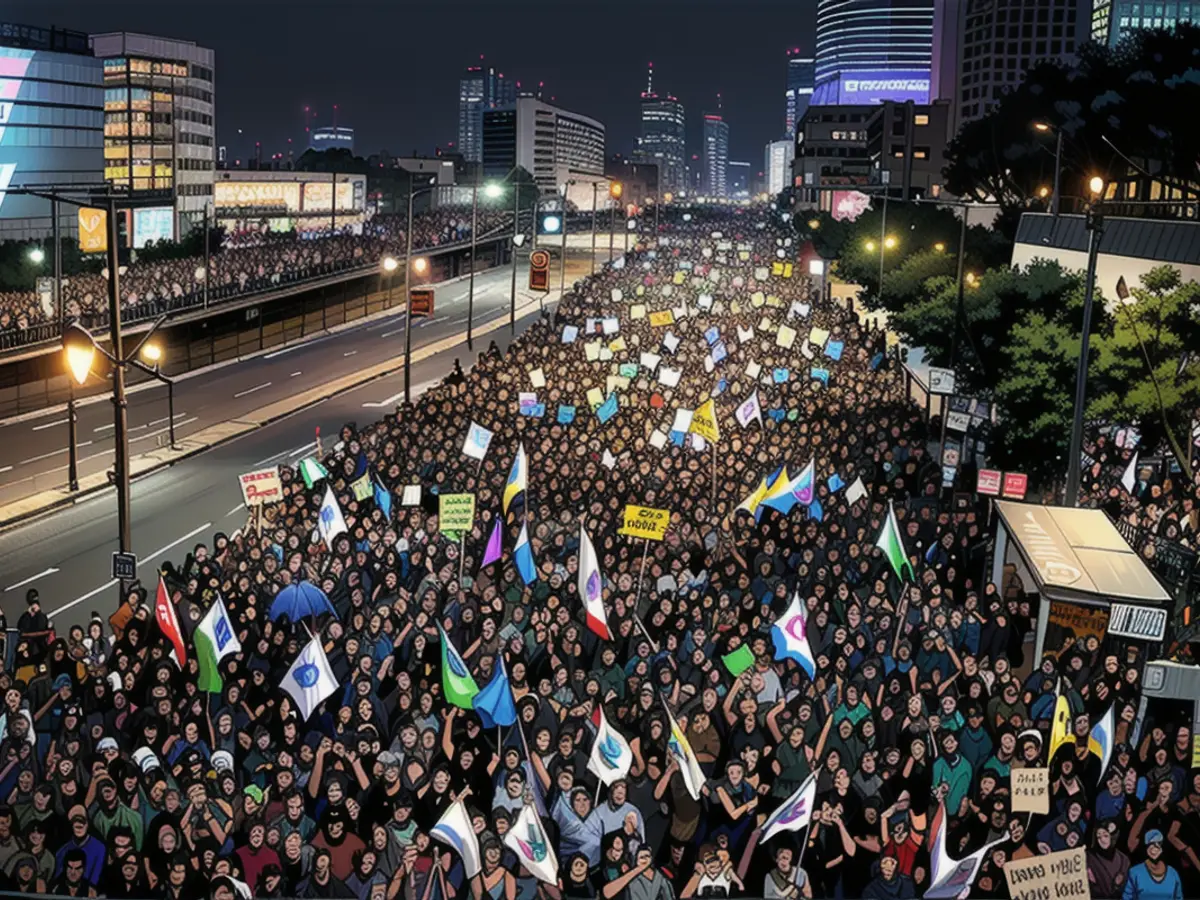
<point>866,87</point>
<point>153,223</point>
<point>846,206</point>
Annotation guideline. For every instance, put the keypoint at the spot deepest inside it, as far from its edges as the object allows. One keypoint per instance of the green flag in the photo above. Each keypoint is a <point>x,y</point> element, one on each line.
<point>457,683</point>
<point>891,543</point>
<point>215,639</point>
<point>739,660</point>
<point>311,471</point>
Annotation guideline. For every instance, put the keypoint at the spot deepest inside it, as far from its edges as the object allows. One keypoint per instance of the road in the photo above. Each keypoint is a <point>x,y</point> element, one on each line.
<point>33,452</point>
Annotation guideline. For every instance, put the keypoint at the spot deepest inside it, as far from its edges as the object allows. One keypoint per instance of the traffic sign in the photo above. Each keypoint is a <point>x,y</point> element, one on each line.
<point>124,566</point>
<point>422,302</point>
<point>539,270</point>
<point>941,381</point>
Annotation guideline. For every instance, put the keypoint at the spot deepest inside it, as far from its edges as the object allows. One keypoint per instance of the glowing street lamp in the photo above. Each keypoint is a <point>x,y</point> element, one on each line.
<point>420,265</point>
<point>940,247</point>
<point>492,191</point>
<point>80,351</point>
<point>1096,185</point>
<point>814,224</point>
<point>889,242</point>
<point>870,245</point>
<point>390,264</point>
<point>37,256</point>
<point>153,353</point>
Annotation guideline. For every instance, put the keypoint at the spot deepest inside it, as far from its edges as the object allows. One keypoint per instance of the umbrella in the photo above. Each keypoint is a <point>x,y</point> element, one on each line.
<point>299,600</point>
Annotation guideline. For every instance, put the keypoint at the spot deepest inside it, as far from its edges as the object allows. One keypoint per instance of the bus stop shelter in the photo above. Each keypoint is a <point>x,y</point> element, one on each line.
<point>1088,578</point>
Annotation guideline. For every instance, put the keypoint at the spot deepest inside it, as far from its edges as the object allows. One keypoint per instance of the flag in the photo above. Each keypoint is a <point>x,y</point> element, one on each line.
<point>1100,741</point>
<point>1060,727</point>
<point>750,410</point>
<point>330,521</point>
<point>790,634</point>
<point>383,500</point>
<point>527,838</point>
<point>495,546</point>
<point>168,622</point>
<point>856,491</point>
<point>362,487</point>
<point>892,545</point>
<point>516,479</point>
<point>751,503</point>
<point>215,640</point>
<point>681,751</point>
<point>704,421</point>
<point>309,680</point>
<point>949,878</point>
<point>457,684</point>
<point>312,471</point>
<point>495,703</point>
<point>1129,479</point>
<point>523,556</point>
<point>611,757</point>
<point>779,495</point>
<point>454,828</point>
<point>739,660</point>
<point>804,486</point>
<point>816,510</point>
<point>795,813</point>
<point>477,442</point>
<point>590,588</point>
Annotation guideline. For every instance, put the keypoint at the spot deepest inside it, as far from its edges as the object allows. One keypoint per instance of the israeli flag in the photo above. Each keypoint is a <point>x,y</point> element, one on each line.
<point>330,521</point>
<point>477,442</point>
<point>309,680</point>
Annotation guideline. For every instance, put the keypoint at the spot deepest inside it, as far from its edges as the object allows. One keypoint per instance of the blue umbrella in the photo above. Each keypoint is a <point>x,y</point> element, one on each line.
<point>299,600</point>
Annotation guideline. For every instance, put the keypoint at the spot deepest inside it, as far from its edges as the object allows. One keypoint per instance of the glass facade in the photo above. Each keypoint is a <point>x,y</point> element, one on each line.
<point>479,90</point>
<point>1124,16</point>
<point>716,157</point>
<point>869,51</point>
<point>663,139</point>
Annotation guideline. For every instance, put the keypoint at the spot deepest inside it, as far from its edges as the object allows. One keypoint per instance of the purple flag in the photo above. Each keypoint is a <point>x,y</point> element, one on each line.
<point>495,548</point>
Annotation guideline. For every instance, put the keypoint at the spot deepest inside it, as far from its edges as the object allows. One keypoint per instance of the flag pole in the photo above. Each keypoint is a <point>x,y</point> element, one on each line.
<point>637,600</point>
<point>714,474</point>
<point>462,546</point>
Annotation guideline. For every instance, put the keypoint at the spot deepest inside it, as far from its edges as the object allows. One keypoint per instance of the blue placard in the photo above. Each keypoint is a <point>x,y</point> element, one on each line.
<point>781,375</point>
<point>835,483</point>
<point>533,410</point>
<point>834,349</point>
<point>876,360</point>
<point>719,352</point>
<point>712,335</point>
<point>566,415</point>
<point>821,375</point>
<point>570,332</point>
<point>777,415</point>
<point>607,409</point>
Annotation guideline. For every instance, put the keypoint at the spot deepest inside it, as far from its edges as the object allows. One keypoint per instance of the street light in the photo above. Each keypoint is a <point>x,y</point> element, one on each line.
<point>889,242</point>
<point>420,265</point>
<point>814,224</point>
<point>80,350</point>
<point>37,256</point>
<point>940,247</point>
<point>390,264</point>
<point>1043,192</point>
<point>493,191</point>
<point>615,190</point>
<point>1047,128</point>
<point>153,353</point>
<point>1096,186</point>
<point>870,245</point>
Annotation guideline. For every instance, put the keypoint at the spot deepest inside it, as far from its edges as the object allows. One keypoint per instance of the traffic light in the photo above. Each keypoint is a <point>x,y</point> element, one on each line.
<point>550,222</point>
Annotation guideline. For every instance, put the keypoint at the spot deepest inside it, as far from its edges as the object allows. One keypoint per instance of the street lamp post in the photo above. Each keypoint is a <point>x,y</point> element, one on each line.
<point>471,288</point>
<point>562,269</point>
<point>595,186</point>
<point>120,407</point>
<point>153,352</point>
<point>1045,127</point>
<point>1095,227</point>
<point>207,252</point>
<point>408,324</point>
<point>512,295</point>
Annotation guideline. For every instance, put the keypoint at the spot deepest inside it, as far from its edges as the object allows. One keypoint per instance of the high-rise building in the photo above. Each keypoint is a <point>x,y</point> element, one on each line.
<point>332,137</point>
<point>553,144</point>
<point>801,74</point>
<point>51,124</point>
<point>663,137</point>
<point>777,163</point>
<point>716,156</point>
<point>869,51</point>
<point>739,175</point>
<point>481,88</point>
<point>1112,20</point>
<point>983,48</point>
<point>158,126</point>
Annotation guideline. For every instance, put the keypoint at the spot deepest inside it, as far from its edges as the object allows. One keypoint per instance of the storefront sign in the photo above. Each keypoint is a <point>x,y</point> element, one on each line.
<point>1145,623</point>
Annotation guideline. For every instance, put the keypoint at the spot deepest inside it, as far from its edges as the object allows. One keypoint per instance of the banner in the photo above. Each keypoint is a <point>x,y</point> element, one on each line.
<point>93,230</point>
<point>1031,790</point>
<point>1062,874</point>
<point>988,482</point>
<point>261,486</point>
<point>456,512</point>
<point>645,522</point>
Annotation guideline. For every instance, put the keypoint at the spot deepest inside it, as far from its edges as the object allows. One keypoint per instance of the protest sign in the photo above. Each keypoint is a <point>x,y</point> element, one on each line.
<point>628,370</point>
<point>456,512</point>
<point>637,311</point>
<point>537,378</point>
<point>1051,875</point>
<point>753,369</point>
<point>650,361</point>
<point>818,336</point>
<point>704,421</point>
<point>662,318</point>
<point>658,440</point>
<point>412,495</point>
<point>595,397</point>
<point>591,351</point>
<point>566,415</point>
<point>570,332</point>
<point>833,349</point>
<point>645,522</point>
<point>683,421</point>
<point>670,342</point>
<point>607,409</point>
<point>1031,790</point>
<point>669,377</point>
<point>988,482</point>
<point>785,337</point>
<point>610,324</point>
<point>617,345</point>
<point>261,486</point>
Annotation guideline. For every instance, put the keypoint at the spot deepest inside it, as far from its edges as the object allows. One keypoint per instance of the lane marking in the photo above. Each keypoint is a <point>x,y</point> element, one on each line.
<point>78,600</point>
<point>432,321</point>
<point>179,415</point>
<point>294,374</point>
<point>30,579</point>
<point>34,459</point>
<point>265,384</point>
<point>388,334</point>
<point>237,508</point>
<point>150,434</point>
<point>6,469</point>
<point>282,453</point>
<point>50,424</point>
<point>107,427</point>
<point>349,353</point>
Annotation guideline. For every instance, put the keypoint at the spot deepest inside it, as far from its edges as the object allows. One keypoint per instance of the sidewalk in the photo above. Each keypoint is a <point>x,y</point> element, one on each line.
<point>215,435</point>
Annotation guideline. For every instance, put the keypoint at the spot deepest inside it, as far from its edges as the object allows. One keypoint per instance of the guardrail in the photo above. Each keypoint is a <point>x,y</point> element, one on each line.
<point>148,310</point>
<point>1172,562</point>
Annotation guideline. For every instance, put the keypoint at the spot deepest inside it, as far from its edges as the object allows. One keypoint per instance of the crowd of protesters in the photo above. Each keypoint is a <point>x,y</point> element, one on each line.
<point>250,262</point>
<point>121,777</point>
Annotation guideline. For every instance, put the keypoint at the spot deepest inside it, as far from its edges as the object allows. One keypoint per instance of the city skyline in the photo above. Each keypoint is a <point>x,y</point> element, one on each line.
<point>267,45</point>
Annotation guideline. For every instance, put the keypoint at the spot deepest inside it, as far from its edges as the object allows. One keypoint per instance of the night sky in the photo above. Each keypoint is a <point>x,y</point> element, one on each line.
<point>392,66</point>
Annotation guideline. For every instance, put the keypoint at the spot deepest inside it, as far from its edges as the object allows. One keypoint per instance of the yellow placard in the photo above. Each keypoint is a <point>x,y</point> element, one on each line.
<point>678,279</point>
<point>743,255</point>
<point>776,268</point>
<point>93,230</point>
<point>595,398</point>
<point>818,336</point>
<point>641,289</point>
<point>787,270</point>
<point>456,512</point>
<point>1196,751</point>
<point>704,421</point>
<point>592,350</point>
<point>637,311</point>
<point>785,337</point>
<point>664,317</point>
<point>757,299</point>
<point>616,383</point>
<point>645,522</point>
<point>618,345</point>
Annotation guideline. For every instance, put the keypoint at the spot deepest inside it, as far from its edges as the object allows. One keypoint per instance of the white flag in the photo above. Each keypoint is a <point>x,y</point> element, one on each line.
<point>527,838</point>
<point>454,828</point>
<point>330,521</point>
<point>856,491</point>
<point>608,460</point>
<point>1129,479</point>
<point>749,411</point>
<point>795,813</point>
<point>611,756</point>
<point>477,442</point>
<point>590,591</point>
<point>309,680</point>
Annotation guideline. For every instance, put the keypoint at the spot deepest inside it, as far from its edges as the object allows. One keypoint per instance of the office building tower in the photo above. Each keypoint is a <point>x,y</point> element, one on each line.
<point>869,51</point>
<point>984,47</point>
<point>663,137</point>
<point>777,164</point>
<point>554,144</point>
<point>1111,20</point>
<point>332,137</point>
<point>716,157</point>
<point>158,128</point>
<point>480,89</point>
<point>801,74</point>
<point>51,124</point>
<point>739,175</point>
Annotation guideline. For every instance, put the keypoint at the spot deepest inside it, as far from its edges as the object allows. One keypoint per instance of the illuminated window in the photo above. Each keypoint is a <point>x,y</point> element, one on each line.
<point>920,119</point>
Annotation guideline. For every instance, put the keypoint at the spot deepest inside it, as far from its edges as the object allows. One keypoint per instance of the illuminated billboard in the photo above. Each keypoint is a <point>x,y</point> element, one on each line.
<point>153,223</point>
<point>317,195</point>
<point>866,88</point>
<point>283,195</point>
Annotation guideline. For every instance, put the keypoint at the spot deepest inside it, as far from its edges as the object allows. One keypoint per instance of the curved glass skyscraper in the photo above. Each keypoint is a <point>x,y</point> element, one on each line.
<point>873,50</point>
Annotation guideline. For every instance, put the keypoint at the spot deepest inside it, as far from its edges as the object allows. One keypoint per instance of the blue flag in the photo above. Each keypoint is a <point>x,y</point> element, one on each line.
<point>383,500</point>
<point>494,702</point>
<point>523,557</point>
<point>816,510</point>
<point>835,483</point>
<point>566,414</point>
<point>876,360</point>
<point>608,409</point>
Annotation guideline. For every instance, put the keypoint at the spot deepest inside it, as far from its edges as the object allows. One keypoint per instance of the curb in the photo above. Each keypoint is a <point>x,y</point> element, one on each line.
<point>146,464</point>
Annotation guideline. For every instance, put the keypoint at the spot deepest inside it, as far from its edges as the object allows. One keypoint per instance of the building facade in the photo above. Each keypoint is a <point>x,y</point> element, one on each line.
<point>663,139</point>
<point>332,137</point>
<point>159,122</point>
<point>715,159</point>
<point>739,179</point>
<point>869,51</point>
<point>777,164</point>
<point>51,124</point>
<point>480,89</point>
<point>553,144</point>
<point>1112,20</point>
<point>801,76</point>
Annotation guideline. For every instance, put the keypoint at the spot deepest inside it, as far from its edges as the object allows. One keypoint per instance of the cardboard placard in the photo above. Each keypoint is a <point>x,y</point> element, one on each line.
<point>1031,790</point>
<point>645,522</point>
<point>1052,875</point>
<point>456,512</point>
<point>261,486</point>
